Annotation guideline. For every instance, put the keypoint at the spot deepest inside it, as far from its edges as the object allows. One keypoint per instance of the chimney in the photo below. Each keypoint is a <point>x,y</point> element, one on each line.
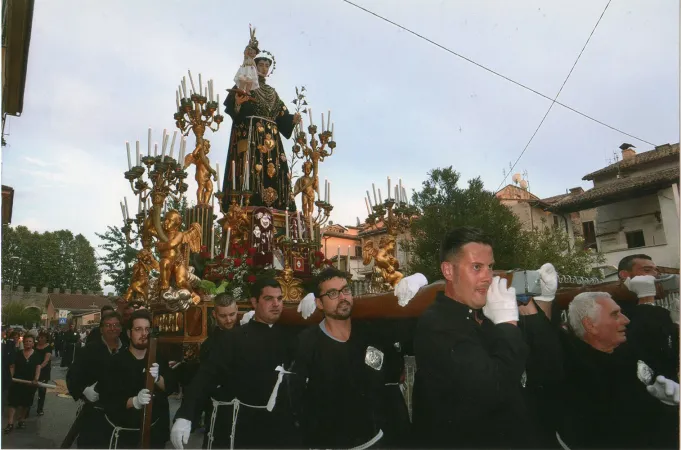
<point>628,151</point>
<point>67,291</point>
<point>576,190</point>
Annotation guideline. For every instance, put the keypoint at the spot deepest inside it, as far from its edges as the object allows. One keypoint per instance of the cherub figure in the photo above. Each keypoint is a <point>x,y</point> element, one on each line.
<point>139,283</point>
<point>291,287</point>
<point>306,185</point>
<point>246,77</point>
<point>174,262</point>
<point>385,264</point>
<point>199,157</point>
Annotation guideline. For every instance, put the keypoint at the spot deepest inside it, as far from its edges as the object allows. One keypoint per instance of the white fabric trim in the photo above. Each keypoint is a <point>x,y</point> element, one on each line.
<point>117,431</point>
<point>560,441</point>
<point>370,442</point>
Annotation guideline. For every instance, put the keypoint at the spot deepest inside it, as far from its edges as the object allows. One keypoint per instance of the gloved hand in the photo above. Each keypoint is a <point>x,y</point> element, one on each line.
<point>501,305</point>
<point>307,306</point>
<point>180,432</point>
<point>153,371</point>
<point>549,283</point>
<point>642,285</point>
<point>90,394</point>
<point>407,288</point>
<point>246,317</point>
<point>143,398</point>
<point>666,391</point>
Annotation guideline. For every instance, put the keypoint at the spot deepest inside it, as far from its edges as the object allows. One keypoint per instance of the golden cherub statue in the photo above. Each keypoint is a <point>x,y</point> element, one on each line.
<point>291,288</point>
<point>199,157</point>
<point>306,185</point>
<point>174,262</point>
<point>139,283</point>
<point>385,264</point>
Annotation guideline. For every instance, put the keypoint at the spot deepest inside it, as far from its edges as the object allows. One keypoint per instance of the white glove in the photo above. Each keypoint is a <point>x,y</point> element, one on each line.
<point>501,305</point>
<point>549,283</point>
<point>90,394</point>
<point>180,432</point>
<point>407,288</point>
<point>642,285</point>
<point>143,398</point>
<point>245,319</point>
<point>666,391</point>
<point>307,306</point>
<point>153,371</point>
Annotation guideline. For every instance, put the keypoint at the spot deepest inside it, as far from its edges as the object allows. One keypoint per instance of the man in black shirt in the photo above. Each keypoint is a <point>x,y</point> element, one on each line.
<point>96,334</point>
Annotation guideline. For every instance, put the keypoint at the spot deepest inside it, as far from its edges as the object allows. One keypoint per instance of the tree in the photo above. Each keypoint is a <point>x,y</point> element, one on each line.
<point>118,260</point>
<point>444,206</point>
<point>49,259</point>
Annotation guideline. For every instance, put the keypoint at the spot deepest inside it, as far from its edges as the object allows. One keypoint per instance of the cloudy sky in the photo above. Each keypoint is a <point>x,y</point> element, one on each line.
<point>101,73</point>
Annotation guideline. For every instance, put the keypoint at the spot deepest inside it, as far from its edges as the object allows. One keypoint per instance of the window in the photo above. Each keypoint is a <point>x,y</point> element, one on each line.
<point>635,239</point>
<point>555,221</point>
<point>358,251</point>
<point>589,233</point>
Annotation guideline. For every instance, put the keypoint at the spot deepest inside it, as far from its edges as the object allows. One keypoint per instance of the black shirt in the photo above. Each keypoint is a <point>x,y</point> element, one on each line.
<point>24,368</point>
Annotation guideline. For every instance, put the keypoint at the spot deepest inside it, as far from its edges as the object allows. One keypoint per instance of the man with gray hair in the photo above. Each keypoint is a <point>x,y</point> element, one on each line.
<point>611,399</point>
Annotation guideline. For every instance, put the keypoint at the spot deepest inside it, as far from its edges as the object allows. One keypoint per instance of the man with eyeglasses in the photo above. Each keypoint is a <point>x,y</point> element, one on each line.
<point>123,391</point>
<point>251,408</point>
<point>340,372</point>
<point>84,380</point>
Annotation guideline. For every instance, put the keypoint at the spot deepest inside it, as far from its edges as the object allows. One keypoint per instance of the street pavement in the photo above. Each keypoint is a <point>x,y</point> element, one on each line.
<point>49,430</point>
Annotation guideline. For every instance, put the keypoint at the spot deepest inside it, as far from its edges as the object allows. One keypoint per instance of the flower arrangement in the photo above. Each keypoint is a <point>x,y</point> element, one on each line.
<point>238,271</point>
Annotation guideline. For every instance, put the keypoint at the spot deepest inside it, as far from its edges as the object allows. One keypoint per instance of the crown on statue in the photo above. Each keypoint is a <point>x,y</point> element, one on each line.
<point>269,56</point>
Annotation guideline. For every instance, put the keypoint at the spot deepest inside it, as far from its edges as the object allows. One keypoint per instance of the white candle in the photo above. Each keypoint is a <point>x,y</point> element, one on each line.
<point>329,200</point>
<point>217,172</point>
<point>397,196</point>
<point>373,188</point>
<point>246,180</point>
<point>369,197</point>
<point>326,190</point>
<point>177,100</point>
<point>155,150</point>
<point>149,143</point>
<point>184,86</point>
<point>172,144</point>
<point>122,211</point>
<point>127,211</point>
<point>200,85</point>
<point>309,113</point>
<point>338,258</point>
<point>322,123</point>
<point>191,80</point>
<point>332,132</point>
<point>137,152</point>
<point>139,205</point>
<point>212,232</point>
<point>380,200</point>
<point>406,198</point>
<point>218,102</point>
<point>368,209</point>
<point>300,230</point>
<point>388,188</point>
<point>163,153</point>
<point>229,235</point>
<point>400,191</point>
<point>328,121</point>
<point>127,147</point>
<point>164,141</point>
<point>287,230</point>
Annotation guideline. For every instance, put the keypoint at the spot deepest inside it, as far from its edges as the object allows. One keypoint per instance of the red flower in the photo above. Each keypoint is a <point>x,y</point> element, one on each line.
<point>220,255</point>
<point>252,251</point>
<point>251,278</point>
<point>230,276</point>
<point>249,261</point>
<point>237,261</point>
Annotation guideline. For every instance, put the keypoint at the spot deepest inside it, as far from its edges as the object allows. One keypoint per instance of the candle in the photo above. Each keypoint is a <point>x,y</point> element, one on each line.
<point>329,200</point>
<point>163,152</point>
<point>210,89</point>
<point>400,191</point>
<point>309,113</point>
<point>246,180</point>
<point>328,121</point>
<point>191,80</point>
<point>180,157</point>
<point>177,100</point>
<point>137,152</point>
<point>326,190</point>
<point>200,85</point>
<point>172,144</point>
<point>369,197</point>
<point>322,122</point>
<point>233,176</point>
<point>229,234</point>
<point>300,231</point>
<point>127,211</point>
<point>397,197</point>
<point>164,141</point>
<point>332,134</point>
<point>380,200</point>
<point>388,188</point>
<point>373,188</point>
<point>149,143</point>
<point>184,86</point>
<point>217,173</point>
<point>155,150</point>
<point>139,205</point>
<point>218,101</point>
<point>368,209</point>
<point>338,258</point>
<point>287,230</point>
<point>127,147</point>
<point>122,211</point>
<point>212,233</point>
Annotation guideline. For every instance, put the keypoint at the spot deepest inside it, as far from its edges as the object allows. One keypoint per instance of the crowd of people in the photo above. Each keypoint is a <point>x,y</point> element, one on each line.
<point>492,371</point>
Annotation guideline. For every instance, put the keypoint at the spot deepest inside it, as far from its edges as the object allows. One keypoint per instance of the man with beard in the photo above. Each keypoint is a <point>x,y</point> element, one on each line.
<point>84,377</point>
<point>340,374</point>
<point>247,362</point>
<point>611,399</point>
<point>123,392</point>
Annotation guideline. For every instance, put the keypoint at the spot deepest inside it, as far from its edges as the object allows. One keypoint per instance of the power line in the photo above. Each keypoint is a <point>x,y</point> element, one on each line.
<point>554,100</point>
<point>517,83</point>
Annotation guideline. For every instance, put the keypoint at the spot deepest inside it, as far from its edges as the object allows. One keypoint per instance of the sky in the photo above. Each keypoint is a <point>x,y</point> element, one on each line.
<point>102,73</point>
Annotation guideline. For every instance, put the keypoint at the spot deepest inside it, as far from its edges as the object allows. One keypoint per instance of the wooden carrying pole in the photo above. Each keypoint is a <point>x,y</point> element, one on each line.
<point>145,441</point>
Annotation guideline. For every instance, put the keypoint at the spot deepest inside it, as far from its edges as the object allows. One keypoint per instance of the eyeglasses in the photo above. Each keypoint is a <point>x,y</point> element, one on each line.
<point>112,325</point>
<point>334,293</point>
<point>141,329</point>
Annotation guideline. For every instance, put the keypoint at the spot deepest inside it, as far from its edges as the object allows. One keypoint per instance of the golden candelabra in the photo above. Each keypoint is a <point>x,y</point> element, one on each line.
<point>196,111</point>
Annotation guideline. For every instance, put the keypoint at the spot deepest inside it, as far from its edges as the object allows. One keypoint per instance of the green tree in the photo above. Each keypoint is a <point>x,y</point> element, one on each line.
<point>118,259</point>
<point>444,205</point>
<point>49,259</point>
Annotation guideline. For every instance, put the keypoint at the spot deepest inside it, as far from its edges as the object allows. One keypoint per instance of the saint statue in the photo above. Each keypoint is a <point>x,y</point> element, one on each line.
<point>256,154</point>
